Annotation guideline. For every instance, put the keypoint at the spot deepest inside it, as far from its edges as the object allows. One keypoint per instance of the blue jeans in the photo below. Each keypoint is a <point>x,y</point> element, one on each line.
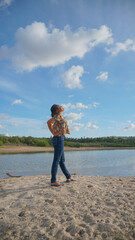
<point>59,158</point>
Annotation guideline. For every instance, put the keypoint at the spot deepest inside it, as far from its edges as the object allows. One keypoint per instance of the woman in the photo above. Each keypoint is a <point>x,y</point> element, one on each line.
<point>58,127</point>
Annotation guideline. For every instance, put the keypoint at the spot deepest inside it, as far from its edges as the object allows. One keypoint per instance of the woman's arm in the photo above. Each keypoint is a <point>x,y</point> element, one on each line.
<point>50,125</point>
<point>67,129</point>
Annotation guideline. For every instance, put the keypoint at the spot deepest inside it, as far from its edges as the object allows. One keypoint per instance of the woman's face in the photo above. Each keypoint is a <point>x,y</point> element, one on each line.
<point>60,109</point>
<point>61,113</point>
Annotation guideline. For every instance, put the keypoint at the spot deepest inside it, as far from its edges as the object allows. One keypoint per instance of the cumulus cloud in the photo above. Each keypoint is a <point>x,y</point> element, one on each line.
<point>76,126</point>
<point>91,126</point>
<point>5,3</point>
<point>66,106</point>
<point>39,46</point>
<point>73,116</point>
<point>131,126</point>
<point>17,101</point>
<point>95,104</point>
<point>103,76</point>
<point>71,77</point>
<point>128,45</point>
<point>79,106</point>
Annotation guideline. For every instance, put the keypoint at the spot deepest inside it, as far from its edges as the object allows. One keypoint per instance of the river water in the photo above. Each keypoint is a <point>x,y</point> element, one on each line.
<point>94,162</point>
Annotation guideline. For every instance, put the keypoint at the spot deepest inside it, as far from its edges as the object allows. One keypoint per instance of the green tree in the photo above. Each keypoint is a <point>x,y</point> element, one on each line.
<point>42,143</point>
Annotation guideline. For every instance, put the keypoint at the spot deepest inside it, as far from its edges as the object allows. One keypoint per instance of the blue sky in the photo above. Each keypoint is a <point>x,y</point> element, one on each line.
<point>75,53</point>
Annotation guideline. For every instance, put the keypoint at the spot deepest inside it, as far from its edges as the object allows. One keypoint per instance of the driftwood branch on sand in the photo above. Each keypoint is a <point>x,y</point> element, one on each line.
<point>11,175</point>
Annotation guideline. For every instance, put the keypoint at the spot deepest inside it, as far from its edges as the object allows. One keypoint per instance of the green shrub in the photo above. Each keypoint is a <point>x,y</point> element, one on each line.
<point>42,143</point>
<point>72,144</point>
<point>77,145</point>
<point>1,143</point>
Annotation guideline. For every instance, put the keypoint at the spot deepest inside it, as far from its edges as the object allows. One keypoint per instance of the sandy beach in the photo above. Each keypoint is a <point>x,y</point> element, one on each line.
<point>90,208</point>
<point>34,149</point>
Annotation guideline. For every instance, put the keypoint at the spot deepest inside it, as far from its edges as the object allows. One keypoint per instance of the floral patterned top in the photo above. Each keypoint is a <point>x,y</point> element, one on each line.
<point>60,125</point>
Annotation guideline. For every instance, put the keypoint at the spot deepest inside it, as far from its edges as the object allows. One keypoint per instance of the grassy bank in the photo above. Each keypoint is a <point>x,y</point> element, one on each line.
<point>34,149</point>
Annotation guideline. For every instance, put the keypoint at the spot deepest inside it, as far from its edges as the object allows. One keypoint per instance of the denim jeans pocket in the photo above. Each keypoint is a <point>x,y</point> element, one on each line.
<point>54,142</point>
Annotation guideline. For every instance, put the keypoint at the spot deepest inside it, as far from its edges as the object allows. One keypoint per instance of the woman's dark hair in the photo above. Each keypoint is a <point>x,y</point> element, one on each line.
<point>54,109</point>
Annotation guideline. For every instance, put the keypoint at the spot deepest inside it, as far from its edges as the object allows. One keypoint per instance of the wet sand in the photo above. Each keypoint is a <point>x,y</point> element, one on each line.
<point>32,149</point>
<point>90,208</point>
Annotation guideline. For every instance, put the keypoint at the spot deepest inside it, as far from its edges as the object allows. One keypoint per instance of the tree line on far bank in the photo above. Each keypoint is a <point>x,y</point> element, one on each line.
<point>71,142</point>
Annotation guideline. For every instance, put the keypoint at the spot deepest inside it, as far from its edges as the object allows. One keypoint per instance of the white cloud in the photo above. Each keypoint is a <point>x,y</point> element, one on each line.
<point>76,126</point>
<point>102,77</point>
<point>91,126</point>
<point>131,126</point>
<point>71,77</point>
<point>73,116</point>
<point>5,3</point>
<point>39,46</point>
<point>128,45</point>
<point>66,106</point>
<point>17,101</point>
<point>95,104</point>
<point>79,106</point>
<point>82,106</point>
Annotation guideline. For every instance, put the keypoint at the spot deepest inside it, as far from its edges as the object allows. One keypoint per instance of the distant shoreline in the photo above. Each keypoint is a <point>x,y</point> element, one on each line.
<point>34,149</point>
